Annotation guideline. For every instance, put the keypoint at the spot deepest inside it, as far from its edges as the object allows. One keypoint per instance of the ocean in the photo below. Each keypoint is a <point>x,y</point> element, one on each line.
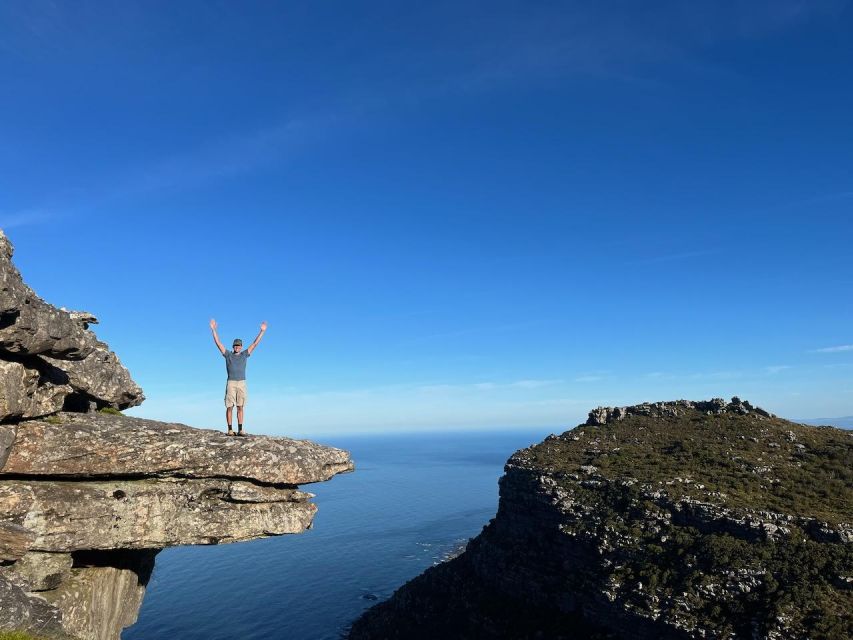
<point>413,500</point>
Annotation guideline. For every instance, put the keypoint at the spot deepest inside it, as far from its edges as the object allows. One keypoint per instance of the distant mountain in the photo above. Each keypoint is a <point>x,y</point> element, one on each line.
<point>845,422</point>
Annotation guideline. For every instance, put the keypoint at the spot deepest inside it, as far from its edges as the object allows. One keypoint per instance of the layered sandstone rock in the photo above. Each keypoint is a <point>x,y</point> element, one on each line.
<point>96,445</point>
<point>100,484</point>
<point>146,514</point>
<point>87,498</point>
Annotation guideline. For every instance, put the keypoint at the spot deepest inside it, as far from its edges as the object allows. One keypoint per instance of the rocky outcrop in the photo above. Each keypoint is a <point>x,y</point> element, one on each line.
<point>146,514</point>
<point>674,409</point>
<point>88,496</point>
<point>49,358</point>
<point>97,445</point>
<point>666,520</point>
<point>104,483</point>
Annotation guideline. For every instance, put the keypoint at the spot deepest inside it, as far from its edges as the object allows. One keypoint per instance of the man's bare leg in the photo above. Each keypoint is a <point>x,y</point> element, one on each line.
<point>228,418</point>
<point>239,420</point>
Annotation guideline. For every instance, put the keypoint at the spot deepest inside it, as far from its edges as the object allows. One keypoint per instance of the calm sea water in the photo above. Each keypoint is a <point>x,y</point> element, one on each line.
<point>413,499</point>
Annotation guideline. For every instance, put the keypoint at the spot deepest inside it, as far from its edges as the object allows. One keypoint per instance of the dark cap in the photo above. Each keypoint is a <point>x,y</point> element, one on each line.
<point>236,342</point>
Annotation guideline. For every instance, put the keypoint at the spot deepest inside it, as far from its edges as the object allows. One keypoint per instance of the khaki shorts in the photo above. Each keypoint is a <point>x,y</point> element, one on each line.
<point>235,393</point>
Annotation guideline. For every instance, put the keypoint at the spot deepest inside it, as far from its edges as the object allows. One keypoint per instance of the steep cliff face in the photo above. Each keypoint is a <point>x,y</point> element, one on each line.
<point>667,520</point>
<point>88,498</point>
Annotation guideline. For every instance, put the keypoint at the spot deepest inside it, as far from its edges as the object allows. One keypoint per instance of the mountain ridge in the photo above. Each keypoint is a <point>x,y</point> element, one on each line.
<point>678,519</point>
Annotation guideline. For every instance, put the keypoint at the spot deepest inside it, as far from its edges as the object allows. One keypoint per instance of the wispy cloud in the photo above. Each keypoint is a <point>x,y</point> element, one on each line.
<point>838,196</point>
<point>513,45</point>
<point>227,155</point>
<point>697,375</point>
<point>28,217</point>
<point>674,257</point>
<point>720,375</point>
<point>498,328</point>
<point>487,386</point>
<point>838,349</point>
<point>535,384</point>
<point>222,156</point>
<point>486,403</point>
<point>777,368</point>
<point>588,378</point>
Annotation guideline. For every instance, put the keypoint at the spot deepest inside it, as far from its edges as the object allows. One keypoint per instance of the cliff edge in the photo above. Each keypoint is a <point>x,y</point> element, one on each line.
<point>678,519</point>
<point>89,496</point>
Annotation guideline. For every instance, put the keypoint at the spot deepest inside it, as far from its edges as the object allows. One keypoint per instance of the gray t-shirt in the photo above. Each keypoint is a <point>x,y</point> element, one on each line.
<point>235,363</point>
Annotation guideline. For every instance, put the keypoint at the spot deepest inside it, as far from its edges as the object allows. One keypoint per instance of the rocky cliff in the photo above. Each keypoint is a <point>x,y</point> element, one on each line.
<point>88,496</point>
<point>666,520</point>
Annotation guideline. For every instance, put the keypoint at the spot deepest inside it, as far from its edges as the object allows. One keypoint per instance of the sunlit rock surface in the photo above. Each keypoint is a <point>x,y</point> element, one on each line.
<point>94,445</point>
<point>88,497</point>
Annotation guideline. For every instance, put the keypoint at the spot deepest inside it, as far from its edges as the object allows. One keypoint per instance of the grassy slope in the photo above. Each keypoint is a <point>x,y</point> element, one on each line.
<point>754,462</point>
<point>742,463</point>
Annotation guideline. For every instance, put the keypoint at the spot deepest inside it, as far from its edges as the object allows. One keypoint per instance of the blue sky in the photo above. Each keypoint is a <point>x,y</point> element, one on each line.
<point>451,214</point>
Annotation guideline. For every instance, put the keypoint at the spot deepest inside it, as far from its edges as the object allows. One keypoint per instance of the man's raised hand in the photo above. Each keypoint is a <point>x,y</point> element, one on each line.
<point>213,324</point>
<point>264,325</point>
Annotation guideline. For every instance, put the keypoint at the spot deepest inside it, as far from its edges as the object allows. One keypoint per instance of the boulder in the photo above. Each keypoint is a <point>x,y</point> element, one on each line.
<point>101,377</point>
<point>25,393</point>
<point>99,445</point>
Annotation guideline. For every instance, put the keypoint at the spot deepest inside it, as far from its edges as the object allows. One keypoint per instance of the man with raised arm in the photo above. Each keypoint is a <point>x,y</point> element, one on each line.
<point>235,363</point>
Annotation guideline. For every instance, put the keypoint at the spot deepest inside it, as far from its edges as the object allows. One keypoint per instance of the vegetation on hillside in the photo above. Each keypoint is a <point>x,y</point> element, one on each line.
<point>628,472</point>
<point>746,461</point>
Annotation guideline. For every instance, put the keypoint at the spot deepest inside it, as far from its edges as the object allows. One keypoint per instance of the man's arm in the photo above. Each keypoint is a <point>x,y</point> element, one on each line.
<point>258,339</point>
<point>216,337</point>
